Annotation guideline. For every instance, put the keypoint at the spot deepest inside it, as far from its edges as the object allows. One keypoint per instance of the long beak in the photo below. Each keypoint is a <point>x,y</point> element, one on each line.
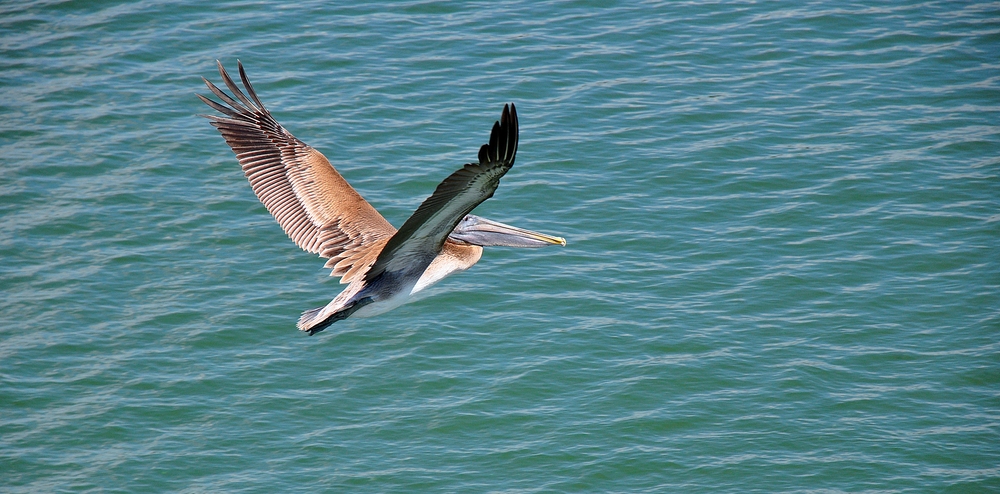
<point>481,231</point>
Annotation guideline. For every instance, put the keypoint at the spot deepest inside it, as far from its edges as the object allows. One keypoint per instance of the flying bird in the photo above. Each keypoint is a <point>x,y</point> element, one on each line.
<point>382,267</point>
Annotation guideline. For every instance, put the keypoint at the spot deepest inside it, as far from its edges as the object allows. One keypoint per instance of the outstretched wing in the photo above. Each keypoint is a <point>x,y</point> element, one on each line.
<point>420,239</point>
<point>315,206</point>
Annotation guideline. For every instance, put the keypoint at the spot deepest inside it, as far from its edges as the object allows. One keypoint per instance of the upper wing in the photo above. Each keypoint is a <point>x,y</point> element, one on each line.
<point>315,206</point>
<point>419,240</point>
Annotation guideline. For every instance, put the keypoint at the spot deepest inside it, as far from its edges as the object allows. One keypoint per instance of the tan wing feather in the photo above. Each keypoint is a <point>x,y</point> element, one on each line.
<point>311,201</point>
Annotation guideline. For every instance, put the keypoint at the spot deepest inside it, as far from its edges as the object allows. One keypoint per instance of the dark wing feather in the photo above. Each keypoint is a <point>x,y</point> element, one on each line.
<point>315,206</point>
<point>420,239</point>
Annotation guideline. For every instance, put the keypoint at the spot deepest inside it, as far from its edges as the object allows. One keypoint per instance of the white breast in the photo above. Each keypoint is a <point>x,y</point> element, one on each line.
<point>453,257</point>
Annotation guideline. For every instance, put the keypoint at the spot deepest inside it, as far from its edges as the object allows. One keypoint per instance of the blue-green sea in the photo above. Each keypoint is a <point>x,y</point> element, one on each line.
<point>782,271</point>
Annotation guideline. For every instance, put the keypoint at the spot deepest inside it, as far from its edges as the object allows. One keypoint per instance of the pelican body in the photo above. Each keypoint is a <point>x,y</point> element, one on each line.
<point>382,267</point>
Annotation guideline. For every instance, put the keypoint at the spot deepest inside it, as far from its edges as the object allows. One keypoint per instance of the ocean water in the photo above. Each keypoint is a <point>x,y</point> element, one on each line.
<point>783,269</point>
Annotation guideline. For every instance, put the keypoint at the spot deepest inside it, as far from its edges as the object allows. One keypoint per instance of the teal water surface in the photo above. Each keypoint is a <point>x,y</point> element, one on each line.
<point>783,271</point>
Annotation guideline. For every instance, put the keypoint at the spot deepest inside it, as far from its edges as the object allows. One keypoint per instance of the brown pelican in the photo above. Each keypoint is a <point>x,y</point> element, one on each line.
<point>324,215</point>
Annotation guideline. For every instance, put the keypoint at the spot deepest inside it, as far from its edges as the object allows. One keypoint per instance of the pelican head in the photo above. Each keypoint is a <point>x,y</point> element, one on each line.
<point>475,230</point>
